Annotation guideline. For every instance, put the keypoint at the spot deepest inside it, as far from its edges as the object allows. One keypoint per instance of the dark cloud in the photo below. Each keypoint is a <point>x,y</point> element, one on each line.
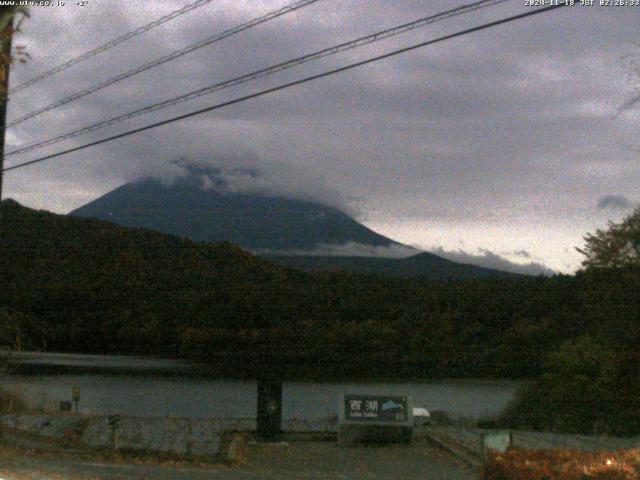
<point>499,128</point>
<point>614,202</point>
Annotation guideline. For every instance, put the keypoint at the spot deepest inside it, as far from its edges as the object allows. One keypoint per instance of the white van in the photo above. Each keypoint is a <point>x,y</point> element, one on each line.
<point>421,416</point>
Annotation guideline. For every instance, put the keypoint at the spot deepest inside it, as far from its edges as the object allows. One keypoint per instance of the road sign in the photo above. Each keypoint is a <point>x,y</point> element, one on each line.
<point>375,419</point>
<point>376,408</point>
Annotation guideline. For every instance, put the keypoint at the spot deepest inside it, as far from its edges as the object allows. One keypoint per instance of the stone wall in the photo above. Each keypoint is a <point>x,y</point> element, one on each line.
<point>195,436</point>
<point>176,435</point>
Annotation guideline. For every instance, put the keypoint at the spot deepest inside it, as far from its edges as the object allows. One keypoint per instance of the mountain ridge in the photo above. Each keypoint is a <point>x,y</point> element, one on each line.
<point>254,222</point>
<point>286,231</point>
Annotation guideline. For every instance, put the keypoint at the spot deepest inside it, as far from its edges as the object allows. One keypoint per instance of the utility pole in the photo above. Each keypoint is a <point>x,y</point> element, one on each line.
<point>6,38</point>
<point>5,48</point>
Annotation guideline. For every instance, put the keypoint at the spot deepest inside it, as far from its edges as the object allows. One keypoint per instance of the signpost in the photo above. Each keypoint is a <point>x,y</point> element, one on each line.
<point>113,422</point>
<point>269,419</point>
<point>375,419</point>
<point>368,408</point>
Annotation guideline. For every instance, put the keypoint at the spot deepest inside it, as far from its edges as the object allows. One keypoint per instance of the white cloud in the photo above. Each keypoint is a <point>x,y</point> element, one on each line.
<point>488,259</point>
<point>350,249</point>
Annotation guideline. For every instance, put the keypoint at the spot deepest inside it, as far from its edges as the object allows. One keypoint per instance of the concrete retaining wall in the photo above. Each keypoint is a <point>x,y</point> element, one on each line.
<point>175,435</point>
<point>196,436</point>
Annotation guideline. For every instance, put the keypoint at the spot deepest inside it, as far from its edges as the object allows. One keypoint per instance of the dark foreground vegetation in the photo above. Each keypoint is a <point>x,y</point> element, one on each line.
<point>79,285</point>
<point>518,464</point>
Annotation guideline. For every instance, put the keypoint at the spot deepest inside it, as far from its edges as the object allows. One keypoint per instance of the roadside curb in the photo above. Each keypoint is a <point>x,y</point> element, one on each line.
<point>19,439</point>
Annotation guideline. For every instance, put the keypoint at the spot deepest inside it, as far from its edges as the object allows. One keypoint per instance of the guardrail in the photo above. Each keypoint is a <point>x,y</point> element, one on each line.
<point>466,442</point>
<point>463,444</point>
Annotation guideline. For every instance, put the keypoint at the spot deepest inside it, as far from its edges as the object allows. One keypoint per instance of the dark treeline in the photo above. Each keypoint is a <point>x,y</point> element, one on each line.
<point>77,285</point>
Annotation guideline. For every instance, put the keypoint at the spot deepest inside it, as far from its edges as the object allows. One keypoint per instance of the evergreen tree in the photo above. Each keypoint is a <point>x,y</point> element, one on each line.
<point>617,246</point>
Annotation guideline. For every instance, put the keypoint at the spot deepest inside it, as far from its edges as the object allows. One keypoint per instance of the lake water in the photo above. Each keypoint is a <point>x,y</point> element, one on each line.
<point>176,396</point>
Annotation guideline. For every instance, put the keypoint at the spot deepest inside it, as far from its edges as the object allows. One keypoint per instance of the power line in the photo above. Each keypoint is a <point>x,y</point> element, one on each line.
<point>166,58</point>
<point>291,84</point>
<point>359,42</point>
<point>110,44</point>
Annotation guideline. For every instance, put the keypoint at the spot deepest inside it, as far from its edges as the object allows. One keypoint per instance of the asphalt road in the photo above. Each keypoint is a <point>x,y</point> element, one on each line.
<point>295,461</point>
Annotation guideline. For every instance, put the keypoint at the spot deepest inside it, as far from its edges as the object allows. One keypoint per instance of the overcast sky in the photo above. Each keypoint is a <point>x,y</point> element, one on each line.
<point>506,145</point>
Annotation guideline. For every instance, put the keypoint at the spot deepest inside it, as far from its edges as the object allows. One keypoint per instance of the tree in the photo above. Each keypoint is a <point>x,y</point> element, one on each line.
<point>575,393</point>
<point>19,331</point>
<point>11,19</point>
<point>617,246</point>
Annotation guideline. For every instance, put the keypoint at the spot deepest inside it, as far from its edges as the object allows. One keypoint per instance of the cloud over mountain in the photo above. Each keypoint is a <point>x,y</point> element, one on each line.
<point>242,171</point>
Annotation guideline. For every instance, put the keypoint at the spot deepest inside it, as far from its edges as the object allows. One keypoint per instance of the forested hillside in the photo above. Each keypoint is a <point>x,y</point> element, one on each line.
<point>425,265</point>
<point>80,285</point>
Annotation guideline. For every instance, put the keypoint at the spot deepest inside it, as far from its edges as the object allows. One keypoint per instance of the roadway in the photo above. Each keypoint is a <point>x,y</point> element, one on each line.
<point>300,460</point>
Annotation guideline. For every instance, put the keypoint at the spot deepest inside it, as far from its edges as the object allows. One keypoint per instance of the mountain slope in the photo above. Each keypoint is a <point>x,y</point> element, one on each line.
<point>110,289</point>
<point>251,221</point>
<point>274,227</point>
